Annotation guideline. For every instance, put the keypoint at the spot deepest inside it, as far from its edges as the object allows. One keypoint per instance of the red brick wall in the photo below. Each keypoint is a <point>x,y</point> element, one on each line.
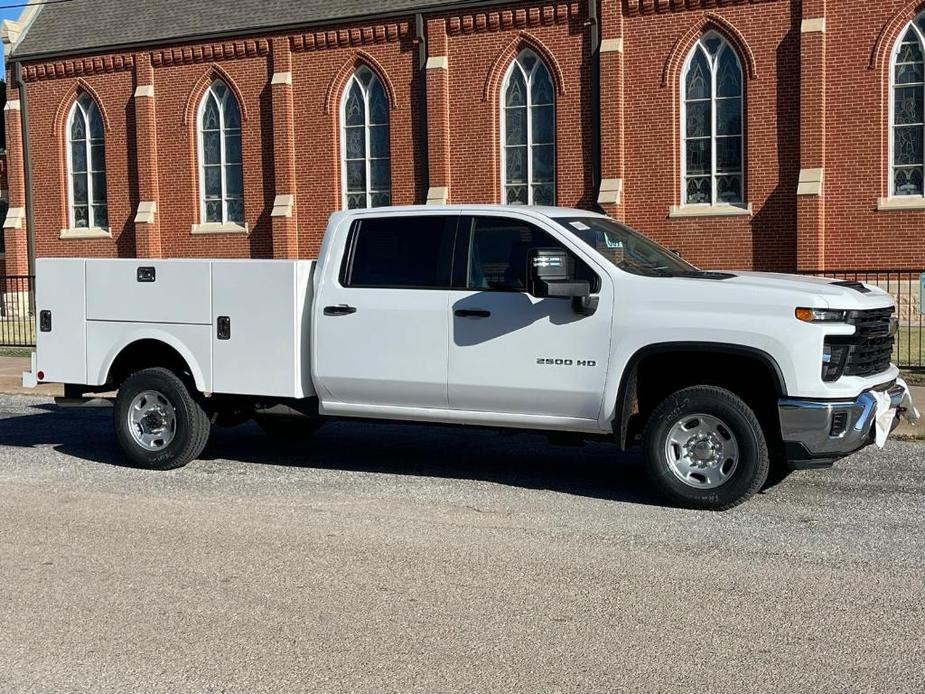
<point>479,44</point>
<point>861,37</point>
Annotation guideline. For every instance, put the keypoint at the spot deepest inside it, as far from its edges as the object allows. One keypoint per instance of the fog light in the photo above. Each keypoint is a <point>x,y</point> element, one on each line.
<point>40,375</point>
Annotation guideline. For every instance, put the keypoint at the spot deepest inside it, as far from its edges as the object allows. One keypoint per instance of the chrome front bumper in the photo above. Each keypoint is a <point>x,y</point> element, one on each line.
<point>818,432</point>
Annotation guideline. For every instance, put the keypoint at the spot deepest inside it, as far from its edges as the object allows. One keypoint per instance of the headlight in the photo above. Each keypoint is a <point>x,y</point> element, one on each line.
<point>821,315</point>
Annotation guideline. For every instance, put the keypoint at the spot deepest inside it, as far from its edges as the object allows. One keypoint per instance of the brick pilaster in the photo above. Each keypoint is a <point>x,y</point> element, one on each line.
<point>811,189</point>
<point>16,259</point>
<point>147,219</point>
<point>285,224</point>
<point>438,113</point>
<point>610,194</point>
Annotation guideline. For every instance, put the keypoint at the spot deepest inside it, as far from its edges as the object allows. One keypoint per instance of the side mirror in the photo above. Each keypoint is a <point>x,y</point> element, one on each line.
<point>550,279</point>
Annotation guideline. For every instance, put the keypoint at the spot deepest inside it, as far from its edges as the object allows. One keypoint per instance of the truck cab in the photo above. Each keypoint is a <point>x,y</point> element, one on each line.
<point>547,319</point>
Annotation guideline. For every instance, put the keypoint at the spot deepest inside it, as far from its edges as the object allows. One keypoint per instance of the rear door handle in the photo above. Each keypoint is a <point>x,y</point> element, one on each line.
<point>472,313</point>
<point>342,310</point>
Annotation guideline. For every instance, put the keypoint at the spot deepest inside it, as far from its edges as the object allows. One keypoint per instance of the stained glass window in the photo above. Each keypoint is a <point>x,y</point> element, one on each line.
<point>528,106</point>
<point>908,162</point>
<point>220,161</point>
<point>367,177</point>
<point>712,124</point>
<point>86,159</point>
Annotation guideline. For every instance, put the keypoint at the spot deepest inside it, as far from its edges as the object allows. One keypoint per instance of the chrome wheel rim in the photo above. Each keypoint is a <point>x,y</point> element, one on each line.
<point>152,419</point>
<point>702,451</point>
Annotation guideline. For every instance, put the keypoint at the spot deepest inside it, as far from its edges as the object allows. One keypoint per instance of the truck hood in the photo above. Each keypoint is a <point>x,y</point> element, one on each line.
<point>825,289</point>
<point>772,289</point>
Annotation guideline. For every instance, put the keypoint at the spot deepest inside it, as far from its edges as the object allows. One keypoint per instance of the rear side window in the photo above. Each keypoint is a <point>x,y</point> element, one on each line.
<point>400,252</point>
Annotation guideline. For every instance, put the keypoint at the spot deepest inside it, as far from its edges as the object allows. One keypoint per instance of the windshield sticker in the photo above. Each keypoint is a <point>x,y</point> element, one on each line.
<point>581,226</point>
<point>612,243</point>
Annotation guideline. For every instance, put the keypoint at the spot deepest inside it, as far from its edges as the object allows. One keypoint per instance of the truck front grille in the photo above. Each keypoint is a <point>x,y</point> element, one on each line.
<point>866,353</point>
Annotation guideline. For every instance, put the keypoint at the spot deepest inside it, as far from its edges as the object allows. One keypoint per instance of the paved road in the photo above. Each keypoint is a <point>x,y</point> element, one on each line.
<point>385,558</point>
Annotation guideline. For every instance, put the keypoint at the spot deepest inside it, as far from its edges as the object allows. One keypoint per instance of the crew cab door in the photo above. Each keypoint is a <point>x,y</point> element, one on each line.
<point>381,326</point>
<point>513,353</point>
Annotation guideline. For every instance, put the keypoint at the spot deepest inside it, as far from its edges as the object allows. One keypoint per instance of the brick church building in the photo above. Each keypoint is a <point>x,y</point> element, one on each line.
<point>769,134</point>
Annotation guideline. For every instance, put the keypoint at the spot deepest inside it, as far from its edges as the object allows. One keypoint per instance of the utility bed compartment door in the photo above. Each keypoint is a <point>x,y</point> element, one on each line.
<point>149,291</point>
<point>59,290</point>
<point>260,324</point>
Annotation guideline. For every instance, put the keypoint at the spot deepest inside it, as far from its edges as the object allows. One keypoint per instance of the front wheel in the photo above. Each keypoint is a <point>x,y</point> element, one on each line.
<point>704,448</point>
<point>158,422</point>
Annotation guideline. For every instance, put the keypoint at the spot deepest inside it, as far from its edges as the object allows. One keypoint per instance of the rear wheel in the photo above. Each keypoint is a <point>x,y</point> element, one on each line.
<point>704,448</point>
<point>158,422</point>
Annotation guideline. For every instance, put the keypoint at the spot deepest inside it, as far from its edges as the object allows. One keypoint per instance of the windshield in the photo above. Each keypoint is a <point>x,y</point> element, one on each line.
<point>627,249</point>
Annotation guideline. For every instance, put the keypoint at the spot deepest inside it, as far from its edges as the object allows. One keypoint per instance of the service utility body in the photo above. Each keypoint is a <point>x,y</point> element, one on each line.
<point>554,320</point>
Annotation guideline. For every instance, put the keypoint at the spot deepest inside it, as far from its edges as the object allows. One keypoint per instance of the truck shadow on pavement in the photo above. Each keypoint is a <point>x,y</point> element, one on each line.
<point>525,460</point>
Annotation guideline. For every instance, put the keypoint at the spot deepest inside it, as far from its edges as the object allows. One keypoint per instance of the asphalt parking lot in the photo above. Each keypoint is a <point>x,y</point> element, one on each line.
<point>389,558</point>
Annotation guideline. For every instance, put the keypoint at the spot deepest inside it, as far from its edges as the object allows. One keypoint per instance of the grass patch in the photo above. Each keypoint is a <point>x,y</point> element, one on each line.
<point>910,347</point>
<point>16,351</point>
<point>18,331</point>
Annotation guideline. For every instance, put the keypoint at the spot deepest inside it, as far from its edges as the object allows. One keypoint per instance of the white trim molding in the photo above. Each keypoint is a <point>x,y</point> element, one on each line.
<point>719,210</point>
<point>438,62</point>
<point>611,192</point>
<point>12,105</point>
<point>85,233</point>
<point>281,78</point>
<point>812,26</point>
<point>15,218</point>
<point>438,195</point>
<point>282,206</point>
<point>14,31</point>
<point>220,228</point>
<point>905,202</point>
<point>146,211</point>
<point>811,182</point>
<point>144,90</point>
<point>612,46</point>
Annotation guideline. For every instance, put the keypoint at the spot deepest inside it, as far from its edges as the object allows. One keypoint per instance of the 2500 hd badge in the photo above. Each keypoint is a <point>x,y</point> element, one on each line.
<point>566,362</point>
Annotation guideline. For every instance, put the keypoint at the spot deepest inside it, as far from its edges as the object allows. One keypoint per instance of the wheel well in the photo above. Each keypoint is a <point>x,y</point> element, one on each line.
<point>147,354</point>
<point>654,375</point>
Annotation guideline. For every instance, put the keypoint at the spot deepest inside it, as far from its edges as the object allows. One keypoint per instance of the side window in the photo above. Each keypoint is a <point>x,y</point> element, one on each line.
<point>400,252</point>
<point>499,255</point>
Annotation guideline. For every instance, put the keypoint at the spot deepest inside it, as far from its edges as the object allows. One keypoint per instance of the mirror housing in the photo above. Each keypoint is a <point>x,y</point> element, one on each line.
<point>550,279</point>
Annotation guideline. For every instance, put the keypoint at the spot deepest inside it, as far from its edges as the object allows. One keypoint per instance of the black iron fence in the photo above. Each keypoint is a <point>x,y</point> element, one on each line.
<point>17,311</point>
<point>906,288</point>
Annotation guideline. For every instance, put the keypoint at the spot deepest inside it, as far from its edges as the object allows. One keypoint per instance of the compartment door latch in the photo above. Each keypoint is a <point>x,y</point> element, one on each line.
<point>224,328</point>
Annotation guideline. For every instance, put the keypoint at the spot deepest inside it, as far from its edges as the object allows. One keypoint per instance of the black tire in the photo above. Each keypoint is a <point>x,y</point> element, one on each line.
<point>192,426</point>
<point>745,479</point>
<point>288,429</point>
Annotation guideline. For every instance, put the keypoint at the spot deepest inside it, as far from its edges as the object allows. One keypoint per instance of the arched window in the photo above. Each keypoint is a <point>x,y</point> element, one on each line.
<point>86,166</point>
<point>365,165</point>
<point>712,166</point>
<point>908,113</point>
<point>528,133</point>
<point>221,177</point>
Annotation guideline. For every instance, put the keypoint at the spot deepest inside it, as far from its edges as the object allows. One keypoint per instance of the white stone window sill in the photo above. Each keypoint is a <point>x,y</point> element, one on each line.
<point>911,202</point>
<point>85,233</point>
<point>220,228</point>
<point>722,210</point>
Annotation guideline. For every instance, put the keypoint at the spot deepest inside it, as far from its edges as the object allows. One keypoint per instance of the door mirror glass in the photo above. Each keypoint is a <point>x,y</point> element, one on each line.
<point>550,276</point>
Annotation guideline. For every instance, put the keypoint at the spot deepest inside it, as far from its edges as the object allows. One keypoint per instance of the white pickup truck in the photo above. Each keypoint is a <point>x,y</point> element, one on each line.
<point>553,320</point>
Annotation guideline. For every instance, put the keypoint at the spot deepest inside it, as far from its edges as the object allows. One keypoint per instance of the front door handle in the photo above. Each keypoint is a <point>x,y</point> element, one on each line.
<point>342,310</point>
<point>472,313</point>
